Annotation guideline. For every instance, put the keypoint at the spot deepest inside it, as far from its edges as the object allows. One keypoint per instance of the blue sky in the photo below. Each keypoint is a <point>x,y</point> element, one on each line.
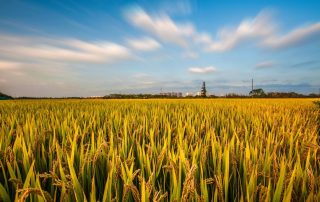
<point>93,48</point>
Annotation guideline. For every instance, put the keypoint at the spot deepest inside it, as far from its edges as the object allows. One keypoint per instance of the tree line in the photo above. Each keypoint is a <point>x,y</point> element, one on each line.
<point>256,93</point>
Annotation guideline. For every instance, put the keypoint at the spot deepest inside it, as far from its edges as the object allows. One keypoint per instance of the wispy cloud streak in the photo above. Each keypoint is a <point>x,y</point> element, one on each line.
<point>265,64</point>
<point>162,26</point>
<point>144,44</point>
<point>61,49</point>
<point>202,70</point>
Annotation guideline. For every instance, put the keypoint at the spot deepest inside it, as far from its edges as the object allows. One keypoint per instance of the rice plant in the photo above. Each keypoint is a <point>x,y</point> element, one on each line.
<point>160,150</point>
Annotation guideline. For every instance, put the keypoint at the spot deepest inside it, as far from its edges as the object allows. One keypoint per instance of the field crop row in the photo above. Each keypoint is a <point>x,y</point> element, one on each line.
<point>160,150</point>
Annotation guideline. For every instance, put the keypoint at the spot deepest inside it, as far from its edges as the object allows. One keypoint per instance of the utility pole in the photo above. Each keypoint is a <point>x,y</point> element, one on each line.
<point>251,85</point>
<point>203,90</point>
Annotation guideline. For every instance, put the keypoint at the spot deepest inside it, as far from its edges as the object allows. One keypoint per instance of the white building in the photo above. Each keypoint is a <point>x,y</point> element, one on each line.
<point>172,94</point>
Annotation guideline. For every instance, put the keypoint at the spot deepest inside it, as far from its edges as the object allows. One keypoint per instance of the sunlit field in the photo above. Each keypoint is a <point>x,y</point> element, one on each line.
<point>160,150</point>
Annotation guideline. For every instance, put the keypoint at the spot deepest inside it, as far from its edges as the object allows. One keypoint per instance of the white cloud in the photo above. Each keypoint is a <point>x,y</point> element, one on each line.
<point>57,49</point>
<point>8,65</point>
<point>265,64</point>
<point>161,26</point>
<point>293,37</point>
<point>144,44</point>
<point>228,38</point>
<point>262,29</point>
<point>202,70</point>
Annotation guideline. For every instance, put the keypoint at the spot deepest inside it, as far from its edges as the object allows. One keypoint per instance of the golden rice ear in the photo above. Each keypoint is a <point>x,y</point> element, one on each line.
<point>218,183</point>
<point>125,192</point>
<point>135,174</point>
<point>133,189</point>
<point>189,185</point>
<point>157,197</point>
<point>25,193</point>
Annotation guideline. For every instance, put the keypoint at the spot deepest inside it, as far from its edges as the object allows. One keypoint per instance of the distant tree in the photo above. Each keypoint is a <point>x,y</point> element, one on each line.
<point>213,96</point>
<point>257,93</point>
<point>313,95</point>
<point>286,95</point>
<point>234,95</point>
<point>203,90</point>
<point>5,97</point>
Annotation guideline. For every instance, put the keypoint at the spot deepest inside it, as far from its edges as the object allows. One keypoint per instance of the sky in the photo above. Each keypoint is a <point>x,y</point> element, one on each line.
<point>93,48</point>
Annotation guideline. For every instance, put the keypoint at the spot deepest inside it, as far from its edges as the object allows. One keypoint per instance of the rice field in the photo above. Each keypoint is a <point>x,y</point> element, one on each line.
<point>160,150</point>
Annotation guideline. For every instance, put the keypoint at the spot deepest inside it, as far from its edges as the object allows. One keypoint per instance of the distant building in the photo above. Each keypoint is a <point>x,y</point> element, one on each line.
<point>188,94</point>
<point>171,94</point>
